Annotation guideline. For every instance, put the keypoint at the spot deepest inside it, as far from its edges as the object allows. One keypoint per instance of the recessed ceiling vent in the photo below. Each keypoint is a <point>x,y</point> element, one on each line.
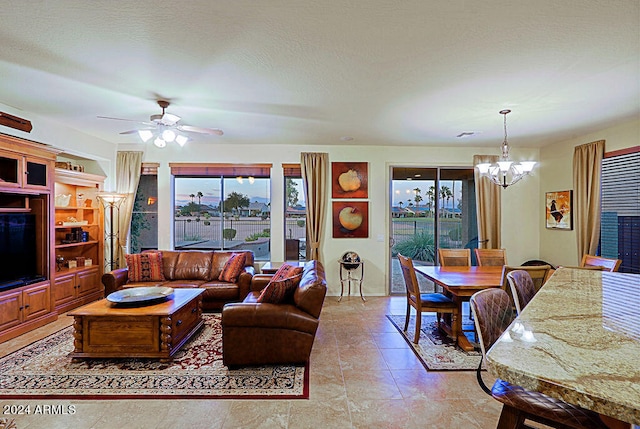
<point>465,134</point>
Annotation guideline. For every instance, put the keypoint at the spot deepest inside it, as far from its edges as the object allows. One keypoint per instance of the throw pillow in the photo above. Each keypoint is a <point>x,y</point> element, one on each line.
<point>145,267</point>
<point>286,271</point>
<point>277,292</point>
<point>232,268</point>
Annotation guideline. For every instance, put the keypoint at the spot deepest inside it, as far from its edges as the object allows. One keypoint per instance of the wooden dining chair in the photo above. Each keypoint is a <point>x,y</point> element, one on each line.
<point>493,314</point>
<point>454,257</point>
<point>435,302</point>
<point>491,257</point>
<point>598,261</point>
<point>522,288</point>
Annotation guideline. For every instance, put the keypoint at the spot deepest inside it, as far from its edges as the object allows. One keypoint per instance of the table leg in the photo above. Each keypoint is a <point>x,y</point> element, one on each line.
<point>463,341</point>
<point>341,285</point>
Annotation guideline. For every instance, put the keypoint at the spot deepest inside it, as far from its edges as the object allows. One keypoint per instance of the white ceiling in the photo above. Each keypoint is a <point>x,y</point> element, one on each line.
<point>385,72</point>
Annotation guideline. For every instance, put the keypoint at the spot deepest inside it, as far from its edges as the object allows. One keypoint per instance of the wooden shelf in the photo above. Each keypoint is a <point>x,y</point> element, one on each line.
<point>76,208</point>
<point>80,285</point>
<point>64,271</point>
<point>80,243</point>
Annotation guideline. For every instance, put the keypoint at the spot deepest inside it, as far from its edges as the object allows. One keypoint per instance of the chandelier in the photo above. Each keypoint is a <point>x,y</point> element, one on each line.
<point>505,172</point>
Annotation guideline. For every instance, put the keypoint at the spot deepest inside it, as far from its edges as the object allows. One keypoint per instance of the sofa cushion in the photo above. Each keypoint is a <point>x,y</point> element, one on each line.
<point>220,258</point>
<point>286,271</point>
<point>220,291</point>
<point>232,268</point>
<point>193,265</point>
<point>277,292</point>
<point>145,267</point>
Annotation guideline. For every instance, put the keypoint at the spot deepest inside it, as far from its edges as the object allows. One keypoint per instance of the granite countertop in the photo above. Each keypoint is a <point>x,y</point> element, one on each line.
<point>585,349</point>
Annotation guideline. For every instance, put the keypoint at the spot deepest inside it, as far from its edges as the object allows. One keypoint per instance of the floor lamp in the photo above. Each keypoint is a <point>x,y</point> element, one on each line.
<point>112,201</point>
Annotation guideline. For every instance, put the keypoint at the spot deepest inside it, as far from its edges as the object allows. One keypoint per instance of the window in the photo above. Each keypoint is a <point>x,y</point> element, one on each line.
<point>144,219</point>
<point>295,214</point>
<point>431,208</point>
<point>223,206</point>
<point>620,217</point>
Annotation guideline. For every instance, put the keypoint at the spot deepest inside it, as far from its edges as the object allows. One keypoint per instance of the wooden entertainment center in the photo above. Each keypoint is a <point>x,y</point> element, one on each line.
<point>29,183</point>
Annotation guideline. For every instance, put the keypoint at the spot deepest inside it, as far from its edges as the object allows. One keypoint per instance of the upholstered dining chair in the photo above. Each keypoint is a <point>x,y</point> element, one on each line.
<point>493,314</point>
<point>538,273</point>
<point>491,257</point>
<point>522,288</point>
<point>598,261</point>
<point>454,257</point>
<point>435,302</point>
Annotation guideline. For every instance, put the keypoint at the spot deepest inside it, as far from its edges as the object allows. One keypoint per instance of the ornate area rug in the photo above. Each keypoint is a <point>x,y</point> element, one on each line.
<point>45,369</point>
<point>435,349</point>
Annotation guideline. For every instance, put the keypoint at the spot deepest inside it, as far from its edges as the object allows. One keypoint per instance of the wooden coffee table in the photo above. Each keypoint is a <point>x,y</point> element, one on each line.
<point>103,330</point>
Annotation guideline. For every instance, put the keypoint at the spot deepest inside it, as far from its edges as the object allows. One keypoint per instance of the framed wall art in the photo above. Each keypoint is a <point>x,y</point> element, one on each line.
<point>349,180</point>
<point>559,207</point>
<point>350,219</point>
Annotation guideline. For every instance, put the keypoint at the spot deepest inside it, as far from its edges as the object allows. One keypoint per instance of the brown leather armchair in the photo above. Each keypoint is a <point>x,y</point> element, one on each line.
<point>262,333</point>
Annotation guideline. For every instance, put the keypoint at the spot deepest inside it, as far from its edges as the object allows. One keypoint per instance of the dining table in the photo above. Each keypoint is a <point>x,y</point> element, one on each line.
<point>578,340</point>
<point>460,282</point>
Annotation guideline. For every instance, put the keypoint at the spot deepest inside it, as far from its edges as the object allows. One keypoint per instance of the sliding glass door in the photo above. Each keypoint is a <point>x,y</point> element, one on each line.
<point>430,208</point>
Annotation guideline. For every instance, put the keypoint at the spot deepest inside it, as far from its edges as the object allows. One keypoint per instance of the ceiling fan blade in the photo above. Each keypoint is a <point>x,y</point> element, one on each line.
<point>135,131</point>
<point>126,120</point>
<point>192,129</point>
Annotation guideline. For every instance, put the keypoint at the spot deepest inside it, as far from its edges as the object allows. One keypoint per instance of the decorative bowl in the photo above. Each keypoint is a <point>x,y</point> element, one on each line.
<point>140,295</point>
<point>62,200</point>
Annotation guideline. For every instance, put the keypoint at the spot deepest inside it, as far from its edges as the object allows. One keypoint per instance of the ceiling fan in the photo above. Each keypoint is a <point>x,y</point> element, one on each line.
<point>165,128</point>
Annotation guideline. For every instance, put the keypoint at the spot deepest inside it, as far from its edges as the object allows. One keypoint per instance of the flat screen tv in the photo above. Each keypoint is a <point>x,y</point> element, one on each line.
<point>18,250</point>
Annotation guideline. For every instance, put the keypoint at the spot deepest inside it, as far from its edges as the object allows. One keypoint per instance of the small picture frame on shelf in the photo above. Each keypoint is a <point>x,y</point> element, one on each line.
<point>88,262</point>
<point>72,263</point>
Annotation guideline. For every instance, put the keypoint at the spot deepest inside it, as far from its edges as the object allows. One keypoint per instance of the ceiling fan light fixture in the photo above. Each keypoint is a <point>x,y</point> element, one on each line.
<point>168,135</point>
<point>170,119</point>
<point>145,135</point>
<point>182,140</point>
<point>159,142</point>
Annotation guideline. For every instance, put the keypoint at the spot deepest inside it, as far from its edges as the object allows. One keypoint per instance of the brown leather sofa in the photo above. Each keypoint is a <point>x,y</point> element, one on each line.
<point>193,269</point>
<point>261,334</point>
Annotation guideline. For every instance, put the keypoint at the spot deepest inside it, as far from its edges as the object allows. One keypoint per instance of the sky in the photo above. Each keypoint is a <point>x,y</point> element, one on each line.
<point>403,190</point>
<point>258,191</point>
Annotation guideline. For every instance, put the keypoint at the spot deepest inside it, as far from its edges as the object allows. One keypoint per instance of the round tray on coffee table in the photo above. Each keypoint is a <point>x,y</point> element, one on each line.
<point>140,295</point>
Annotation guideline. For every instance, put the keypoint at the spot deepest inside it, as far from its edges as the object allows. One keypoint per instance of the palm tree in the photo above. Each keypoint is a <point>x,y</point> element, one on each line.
<point>192,196</point>
<point>418,197</point>
<point>431,194</point>
<point>199,195</point>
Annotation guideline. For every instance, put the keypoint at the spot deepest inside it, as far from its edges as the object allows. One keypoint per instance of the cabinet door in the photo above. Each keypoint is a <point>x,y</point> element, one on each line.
<point>10,170</point>
<point>36,173</point>
<point>37,301</point>
<point>64,289</point>
<point>88,282</point>
<point>10,309</point>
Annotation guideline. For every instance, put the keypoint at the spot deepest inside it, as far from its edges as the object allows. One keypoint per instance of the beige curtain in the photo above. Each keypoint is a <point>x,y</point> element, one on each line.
<point>128,168</point>
<point>587,173</point>
<point>488,203</point>
<point>314,168</point>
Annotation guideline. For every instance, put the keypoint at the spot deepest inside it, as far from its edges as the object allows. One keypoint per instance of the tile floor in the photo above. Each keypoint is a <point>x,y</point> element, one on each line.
<point>362,375</point>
